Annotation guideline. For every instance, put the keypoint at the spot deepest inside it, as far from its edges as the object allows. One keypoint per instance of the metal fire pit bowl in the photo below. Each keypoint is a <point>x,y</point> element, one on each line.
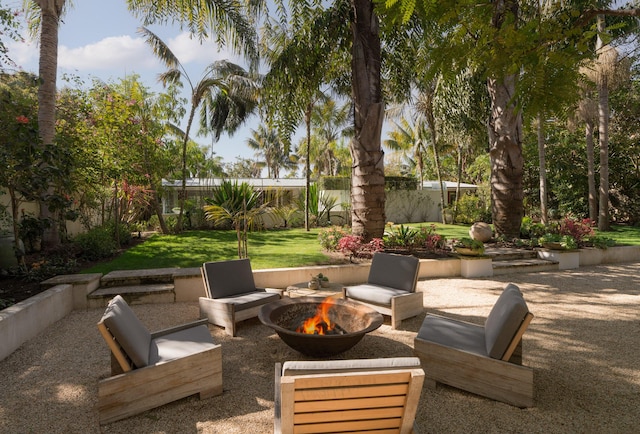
<point>285,315</point>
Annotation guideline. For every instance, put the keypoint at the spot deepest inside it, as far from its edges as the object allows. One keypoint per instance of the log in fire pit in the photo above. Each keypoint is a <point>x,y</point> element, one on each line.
<point>319,327</point>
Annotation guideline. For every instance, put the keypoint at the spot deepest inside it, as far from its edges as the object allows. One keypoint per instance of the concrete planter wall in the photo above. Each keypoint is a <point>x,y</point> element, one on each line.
<point>566,259</point>
<point>28,318</point>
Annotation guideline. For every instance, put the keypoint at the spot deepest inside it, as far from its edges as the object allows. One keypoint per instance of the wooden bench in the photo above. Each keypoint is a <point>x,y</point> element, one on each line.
<point>485,360</point>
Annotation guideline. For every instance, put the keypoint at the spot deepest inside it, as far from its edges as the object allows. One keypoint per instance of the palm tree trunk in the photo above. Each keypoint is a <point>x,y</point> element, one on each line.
<point>544,213</point>
<point>48,70</point>
<point>603,136</point>
<point>183,196</point>
<point>307,167</point>
<point>367,186</point>
<point>591,172</point>
<point>507,162</point>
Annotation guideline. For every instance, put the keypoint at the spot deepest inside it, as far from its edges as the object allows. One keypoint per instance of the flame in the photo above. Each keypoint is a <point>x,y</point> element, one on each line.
<point>320,323</point>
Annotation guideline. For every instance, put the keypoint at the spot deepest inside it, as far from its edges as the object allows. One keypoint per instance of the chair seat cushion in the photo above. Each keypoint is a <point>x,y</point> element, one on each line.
<point>336,366</point>
<point>128,330</point>
<point>249,299</point>
<point>180,344</point>
<point>453,334</point>
<point>380,295</point>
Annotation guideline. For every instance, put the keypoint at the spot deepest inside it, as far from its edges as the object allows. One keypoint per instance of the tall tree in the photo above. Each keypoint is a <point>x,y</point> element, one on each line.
<point>272,148</point>
<point>44,15</point>
<point>214,78</point>
<point>504,38</point>
<point>367,175</point>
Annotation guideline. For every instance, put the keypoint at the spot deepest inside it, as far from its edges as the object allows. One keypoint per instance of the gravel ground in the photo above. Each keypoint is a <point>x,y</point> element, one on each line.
<point>583,344</point>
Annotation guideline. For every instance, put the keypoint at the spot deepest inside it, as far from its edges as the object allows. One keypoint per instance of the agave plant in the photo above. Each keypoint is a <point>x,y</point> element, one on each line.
<point>238,204</point>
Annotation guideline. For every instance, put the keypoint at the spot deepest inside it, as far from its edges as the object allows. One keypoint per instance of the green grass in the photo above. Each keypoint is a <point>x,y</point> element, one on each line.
<point>267,249</point>
<point>623,235</point>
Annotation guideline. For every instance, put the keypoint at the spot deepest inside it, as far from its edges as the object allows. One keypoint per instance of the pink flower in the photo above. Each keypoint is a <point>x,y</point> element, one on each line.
<point>22,119</point>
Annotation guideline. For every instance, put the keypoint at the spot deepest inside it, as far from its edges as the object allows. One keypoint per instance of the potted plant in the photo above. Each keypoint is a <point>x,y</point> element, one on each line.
<point>322,280</point>
<point>468,247</point>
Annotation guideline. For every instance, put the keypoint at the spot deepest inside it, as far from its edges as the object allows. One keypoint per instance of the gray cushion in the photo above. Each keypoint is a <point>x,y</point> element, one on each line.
<point>394,271</point>
<point>503,321</point>
<point>453,334</point>
<point>131,334</point>
<point>375,294</point>
<point>249,300</point>
<point>180,344</point>
<point>228,278</point>
<point>333,366</point>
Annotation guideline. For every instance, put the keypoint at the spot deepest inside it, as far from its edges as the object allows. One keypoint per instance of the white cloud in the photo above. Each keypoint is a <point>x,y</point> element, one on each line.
<point>189,49</point>
<point>114,52</point>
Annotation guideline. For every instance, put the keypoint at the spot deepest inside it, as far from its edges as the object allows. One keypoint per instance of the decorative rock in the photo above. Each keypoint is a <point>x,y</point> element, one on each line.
<point>480,231</point>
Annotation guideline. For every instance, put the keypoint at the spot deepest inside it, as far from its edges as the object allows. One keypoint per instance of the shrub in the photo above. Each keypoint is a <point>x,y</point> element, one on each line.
<point>531,229</point>
<point>350,245</point>
<point>428,239</point>
<point>400,236</point>
<point>97,243</point>
<point>577,229</point>
<point>100,242</point>
<point>330,237</point>
<point>471,209</point>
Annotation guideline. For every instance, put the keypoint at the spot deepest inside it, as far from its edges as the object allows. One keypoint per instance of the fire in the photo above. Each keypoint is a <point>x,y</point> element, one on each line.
<point>319,324</point>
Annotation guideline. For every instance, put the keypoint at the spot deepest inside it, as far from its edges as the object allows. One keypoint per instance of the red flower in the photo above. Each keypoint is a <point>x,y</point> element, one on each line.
<point>22,119</point>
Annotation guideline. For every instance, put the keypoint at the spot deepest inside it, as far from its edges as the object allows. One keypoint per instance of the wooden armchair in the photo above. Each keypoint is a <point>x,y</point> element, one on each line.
<point>390,287</point>
<point>232,295</point>
<point>353,396</point>
<point>152,369</point>
<point>485,360</point>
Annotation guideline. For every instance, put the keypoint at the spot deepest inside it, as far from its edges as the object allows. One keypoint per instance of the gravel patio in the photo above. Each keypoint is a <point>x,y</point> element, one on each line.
<point>584,344</point>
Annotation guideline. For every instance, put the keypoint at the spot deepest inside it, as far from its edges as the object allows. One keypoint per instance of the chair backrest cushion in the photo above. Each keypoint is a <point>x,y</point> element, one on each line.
<point>504,320</point>
<point>126,328</point>
<point>394,271</point>
<point>228,278</point>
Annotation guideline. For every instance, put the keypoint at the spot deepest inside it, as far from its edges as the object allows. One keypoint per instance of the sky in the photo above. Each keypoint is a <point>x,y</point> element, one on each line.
<point>99,38</point>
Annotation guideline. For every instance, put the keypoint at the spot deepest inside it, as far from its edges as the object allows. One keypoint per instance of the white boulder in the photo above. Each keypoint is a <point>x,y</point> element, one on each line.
<point>480,231</point>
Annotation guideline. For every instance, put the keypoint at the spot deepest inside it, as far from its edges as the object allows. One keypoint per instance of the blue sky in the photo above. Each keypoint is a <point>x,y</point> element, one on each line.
<point>99,38</point>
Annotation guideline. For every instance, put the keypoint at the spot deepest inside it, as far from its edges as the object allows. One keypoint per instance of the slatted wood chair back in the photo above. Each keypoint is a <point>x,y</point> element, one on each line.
<point>384,401</point>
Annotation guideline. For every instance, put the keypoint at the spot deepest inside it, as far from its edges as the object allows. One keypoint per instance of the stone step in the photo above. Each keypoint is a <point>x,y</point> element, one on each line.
<point>138,277</point>
<point>133,294</point>
<point>523,266</point>
<point>504,254</point>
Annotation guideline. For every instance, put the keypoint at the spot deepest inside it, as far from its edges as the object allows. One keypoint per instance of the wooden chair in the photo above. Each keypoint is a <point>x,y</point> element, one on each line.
<point>485,360</point>
<point>390,287</point>
<point>152,369</point>
<point>232,295</point>
<point>347,395</point>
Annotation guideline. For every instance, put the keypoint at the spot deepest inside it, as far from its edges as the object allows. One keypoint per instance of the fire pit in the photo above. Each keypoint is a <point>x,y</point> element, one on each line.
<point>332,325</point>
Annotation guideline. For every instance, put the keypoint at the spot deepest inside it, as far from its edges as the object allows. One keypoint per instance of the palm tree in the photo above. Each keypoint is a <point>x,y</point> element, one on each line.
<point>330,124</point>
<point>215,79</point>
<point>238,204</point>
<point>268,144</point>
<point>412,137</point>
<point>45,16</point>
<point>225,19</point>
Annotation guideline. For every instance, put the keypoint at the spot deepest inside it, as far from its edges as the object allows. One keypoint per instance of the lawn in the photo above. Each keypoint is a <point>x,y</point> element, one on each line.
<point>267,249</point>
